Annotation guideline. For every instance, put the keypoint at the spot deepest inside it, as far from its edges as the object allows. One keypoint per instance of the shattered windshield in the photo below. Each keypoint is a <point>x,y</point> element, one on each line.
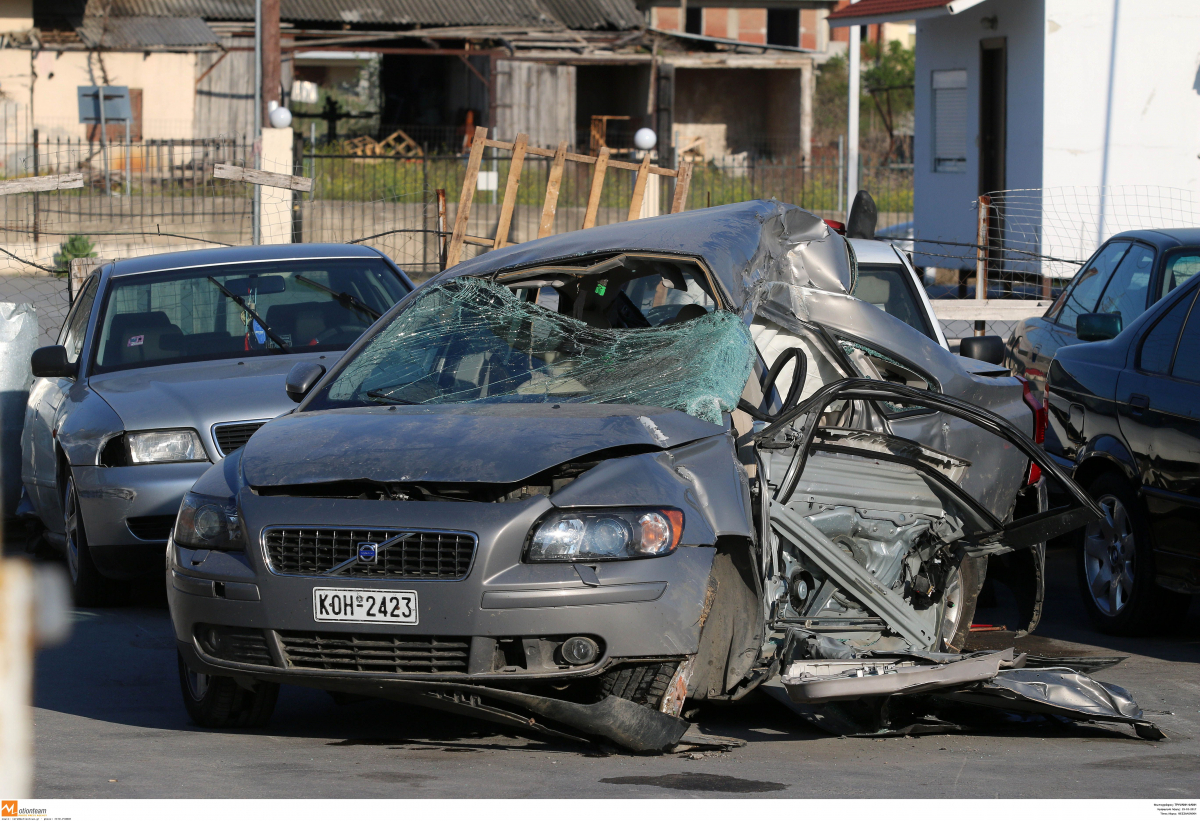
<point>621,339</point>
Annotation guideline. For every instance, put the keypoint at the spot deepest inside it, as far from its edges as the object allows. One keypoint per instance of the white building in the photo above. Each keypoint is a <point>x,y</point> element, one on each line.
<point>1044,94</point>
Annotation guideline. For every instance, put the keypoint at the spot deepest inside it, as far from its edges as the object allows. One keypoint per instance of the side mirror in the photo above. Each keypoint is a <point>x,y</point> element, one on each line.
<point>51,361</point>
<point>1095,327</point>
<point>301,378</point>
<point>984,348</point>
<point>864,214</point>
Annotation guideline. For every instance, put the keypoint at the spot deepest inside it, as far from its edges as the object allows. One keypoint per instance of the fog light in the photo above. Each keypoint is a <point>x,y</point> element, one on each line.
<point>579,650</point>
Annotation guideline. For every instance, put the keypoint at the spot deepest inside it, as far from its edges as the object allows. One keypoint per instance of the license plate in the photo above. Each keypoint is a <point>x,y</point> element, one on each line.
<point>365,606</point>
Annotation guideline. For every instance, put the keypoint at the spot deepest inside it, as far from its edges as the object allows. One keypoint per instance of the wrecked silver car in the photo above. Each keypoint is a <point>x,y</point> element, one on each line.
<point>570,484</point>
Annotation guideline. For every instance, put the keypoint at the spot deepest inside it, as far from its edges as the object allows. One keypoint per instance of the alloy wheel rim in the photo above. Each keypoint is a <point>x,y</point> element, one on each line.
<point>1109,552</point>
<point>71,522</point>
<point>952,607</point>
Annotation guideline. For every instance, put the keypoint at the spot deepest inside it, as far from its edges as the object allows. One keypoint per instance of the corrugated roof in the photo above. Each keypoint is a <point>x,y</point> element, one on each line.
<point>591,15</point>
<point>146,32</point>
<point>875,11</point>
<point>582,14</point>
<point>864,8</point>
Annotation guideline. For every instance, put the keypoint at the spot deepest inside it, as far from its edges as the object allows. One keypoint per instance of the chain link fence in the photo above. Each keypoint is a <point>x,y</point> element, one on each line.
<point>160,196</point>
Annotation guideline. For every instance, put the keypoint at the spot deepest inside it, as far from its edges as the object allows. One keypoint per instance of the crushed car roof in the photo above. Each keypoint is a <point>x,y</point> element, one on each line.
<point>745,245</point>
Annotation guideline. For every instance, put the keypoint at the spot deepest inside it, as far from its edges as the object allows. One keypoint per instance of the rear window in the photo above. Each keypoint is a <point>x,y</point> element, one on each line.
<point>193,314</point>
<point>891,289</point>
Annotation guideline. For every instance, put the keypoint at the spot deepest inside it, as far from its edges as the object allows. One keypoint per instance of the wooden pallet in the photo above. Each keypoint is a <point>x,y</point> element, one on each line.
<point>519,148</point>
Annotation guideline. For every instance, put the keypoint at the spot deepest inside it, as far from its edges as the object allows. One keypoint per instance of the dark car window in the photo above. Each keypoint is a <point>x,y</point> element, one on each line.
<point>184,316</point>
<point>1181,266</point>
<point>74,329</point>
<point>891,289</point>
<point>1088,285</point>
<point>1158,347</point>
<point>1126,292</point>
<point>1187,365</point>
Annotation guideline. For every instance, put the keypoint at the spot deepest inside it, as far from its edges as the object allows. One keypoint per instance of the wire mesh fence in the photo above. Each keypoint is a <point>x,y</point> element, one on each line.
<point>160,196</point>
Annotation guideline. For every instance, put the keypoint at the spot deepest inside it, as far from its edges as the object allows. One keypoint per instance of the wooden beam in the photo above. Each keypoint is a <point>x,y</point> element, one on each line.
<point>552,186</point>
<point>639,189</point>
<point>57,182</point>
<point>995,310</point>
<point>593,206</point>
<point>584,158</point>
<point>682,183</point>
<point>268,178</point>
<point>510,191</point>
<point>443,240</point>
<point>471,179</point>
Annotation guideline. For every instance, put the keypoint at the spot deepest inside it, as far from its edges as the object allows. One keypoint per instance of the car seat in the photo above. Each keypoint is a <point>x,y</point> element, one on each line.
<point>141,337</point>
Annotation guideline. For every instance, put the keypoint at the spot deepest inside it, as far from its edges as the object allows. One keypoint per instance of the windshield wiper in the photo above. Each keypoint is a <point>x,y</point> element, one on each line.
<point>346,300</point>
<point>262,323</point>
<point>379,394</point>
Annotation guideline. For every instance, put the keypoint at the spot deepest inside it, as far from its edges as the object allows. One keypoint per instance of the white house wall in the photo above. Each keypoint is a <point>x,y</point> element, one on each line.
<point>943,201</point>
<point>1142,126</point>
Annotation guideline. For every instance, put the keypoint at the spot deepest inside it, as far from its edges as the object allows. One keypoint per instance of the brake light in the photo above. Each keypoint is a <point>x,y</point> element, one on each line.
<point>838,227</point>
<point>1041,416</point>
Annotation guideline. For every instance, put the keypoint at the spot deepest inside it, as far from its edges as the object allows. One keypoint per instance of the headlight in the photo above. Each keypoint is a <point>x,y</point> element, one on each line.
<point>208,521</point>
<point>605,535</point>
<point>151,446</point>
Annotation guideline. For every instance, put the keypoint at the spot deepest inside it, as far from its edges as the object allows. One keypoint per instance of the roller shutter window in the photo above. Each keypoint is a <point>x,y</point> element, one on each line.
<point>950,121</point>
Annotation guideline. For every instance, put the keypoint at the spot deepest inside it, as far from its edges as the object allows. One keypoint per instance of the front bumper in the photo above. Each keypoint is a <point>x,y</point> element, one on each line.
<point>128,512</point>
<point>501,623</point>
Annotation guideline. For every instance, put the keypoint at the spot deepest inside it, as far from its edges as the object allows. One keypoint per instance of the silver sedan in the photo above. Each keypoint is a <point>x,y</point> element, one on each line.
<point>166,364</point>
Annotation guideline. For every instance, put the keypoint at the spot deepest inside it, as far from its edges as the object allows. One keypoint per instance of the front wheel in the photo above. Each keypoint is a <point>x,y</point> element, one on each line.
<point>90,587</point>
<point>1116,566</point>
<point>220,703</point>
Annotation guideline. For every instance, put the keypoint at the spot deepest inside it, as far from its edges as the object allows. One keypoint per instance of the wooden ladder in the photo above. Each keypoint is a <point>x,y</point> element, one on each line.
<point>520,148</point>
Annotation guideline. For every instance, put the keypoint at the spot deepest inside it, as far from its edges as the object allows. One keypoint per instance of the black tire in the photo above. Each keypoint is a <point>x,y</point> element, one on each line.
<point>644,684</point>
<point>90,587</point>
<point>220,703</point>
<point>1115,566</point>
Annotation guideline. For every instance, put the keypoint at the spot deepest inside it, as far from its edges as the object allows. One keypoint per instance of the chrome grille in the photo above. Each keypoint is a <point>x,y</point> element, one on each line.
<point>232,435</point>
<point>414,555</point>
<point>374,653</point>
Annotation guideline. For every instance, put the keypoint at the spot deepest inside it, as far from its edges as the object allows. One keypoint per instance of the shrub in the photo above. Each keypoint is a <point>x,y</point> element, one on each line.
<point>76,247</point>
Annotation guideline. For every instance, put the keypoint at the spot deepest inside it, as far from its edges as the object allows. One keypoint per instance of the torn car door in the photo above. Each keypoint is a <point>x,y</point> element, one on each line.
<point>872,535</point>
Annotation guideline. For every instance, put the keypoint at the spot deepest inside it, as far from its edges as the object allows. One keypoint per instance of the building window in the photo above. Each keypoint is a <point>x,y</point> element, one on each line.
<point>783,27</point>
<point>694,24</point>
<point>950,121</point>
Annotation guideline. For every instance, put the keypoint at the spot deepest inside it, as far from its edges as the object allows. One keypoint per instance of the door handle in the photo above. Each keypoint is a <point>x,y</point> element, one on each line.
<point>1138,404</point>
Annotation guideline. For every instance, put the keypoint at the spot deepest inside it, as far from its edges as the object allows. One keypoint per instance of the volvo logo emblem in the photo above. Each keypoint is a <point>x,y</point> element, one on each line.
<point>368,552</point>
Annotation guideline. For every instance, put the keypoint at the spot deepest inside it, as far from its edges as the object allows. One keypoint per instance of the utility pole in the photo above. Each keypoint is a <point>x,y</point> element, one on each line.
<point>256,214</point>
<point>852,115</point>
<point>271,62</point>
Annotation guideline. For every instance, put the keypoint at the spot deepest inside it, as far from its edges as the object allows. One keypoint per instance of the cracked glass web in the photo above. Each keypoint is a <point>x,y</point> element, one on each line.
<point>470,340</point>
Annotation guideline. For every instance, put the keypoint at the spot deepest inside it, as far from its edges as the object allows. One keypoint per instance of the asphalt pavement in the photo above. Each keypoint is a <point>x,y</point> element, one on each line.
<point>110,723</point>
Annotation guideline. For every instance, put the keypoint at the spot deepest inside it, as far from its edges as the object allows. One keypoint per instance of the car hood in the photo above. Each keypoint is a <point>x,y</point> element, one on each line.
<point>500,443</point>
<point>201,394</point>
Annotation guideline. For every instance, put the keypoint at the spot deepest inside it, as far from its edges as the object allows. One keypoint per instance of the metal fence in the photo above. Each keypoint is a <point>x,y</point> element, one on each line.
<point>158,196</point>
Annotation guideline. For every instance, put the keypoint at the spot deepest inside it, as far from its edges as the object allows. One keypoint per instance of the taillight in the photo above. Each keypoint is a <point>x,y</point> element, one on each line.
<point>1040,417</point>
<point>838,227</point>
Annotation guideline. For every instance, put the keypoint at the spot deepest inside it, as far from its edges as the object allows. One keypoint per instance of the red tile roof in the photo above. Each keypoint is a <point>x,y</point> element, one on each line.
<point>873,8</point>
